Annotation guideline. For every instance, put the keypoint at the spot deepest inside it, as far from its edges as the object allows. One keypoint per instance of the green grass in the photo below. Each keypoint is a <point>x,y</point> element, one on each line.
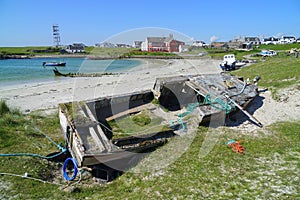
<point>268,169</point>
<point>141,123</point>
<point>219,53</point>
<point>280,47</point>
<point>34,50</point>
<point>28,50</point>
<point>276,73</point>
<point>4,109</point>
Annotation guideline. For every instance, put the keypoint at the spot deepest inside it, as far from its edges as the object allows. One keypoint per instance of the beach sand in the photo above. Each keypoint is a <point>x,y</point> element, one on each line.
<point>47,95</point>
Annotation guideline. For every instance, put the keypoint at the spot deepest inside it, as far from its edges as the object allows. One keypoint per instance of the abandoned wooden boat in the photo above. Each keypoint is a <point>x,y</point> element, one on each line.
<point>215,94</point>
<point>90,135</point>
<point>58,73</point>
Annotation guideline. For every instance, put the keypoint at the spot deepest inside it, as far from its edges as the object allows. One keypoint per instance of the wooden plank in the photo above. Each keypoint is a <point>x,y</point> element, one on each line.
<point>99,145</point>
<point>105,140</point>
<point>194,87</point>
<point>130,111</point>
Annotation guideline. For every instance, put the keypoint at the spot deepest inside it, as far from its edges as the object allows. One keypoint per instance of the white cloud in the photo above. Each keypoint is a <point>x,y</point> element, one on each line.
<point>213,38</point>
<point>278,35</point>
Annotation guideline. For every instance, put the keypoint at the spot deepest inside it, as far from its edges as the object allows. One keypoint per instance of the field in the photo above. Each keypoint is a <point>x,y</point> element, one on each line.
<point>276,73</point>
<point>29,51</point>
<point>219,53</point>
<point>269,169</point>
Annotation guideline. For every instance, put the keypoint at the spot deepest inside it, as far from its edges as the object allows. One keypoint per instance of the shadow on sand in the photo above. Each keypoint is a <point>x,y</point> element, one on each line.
<point>239,117</point>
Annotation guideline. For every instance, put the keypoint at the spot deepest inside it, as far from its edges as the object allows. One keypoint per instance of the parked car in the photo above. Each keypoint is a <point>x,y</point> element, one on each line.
<point>268,53</point>
<point>203,53</point>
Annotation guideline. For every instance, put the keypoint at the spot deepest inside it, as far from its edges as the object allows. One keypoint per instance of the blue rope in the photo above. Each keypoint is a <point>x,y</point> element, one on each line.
<point>190,109</point>
<point>33,155</point>
<point>75,166</point>
<point>218,103</point>
<point>59,146</point>
<point>230,142</point>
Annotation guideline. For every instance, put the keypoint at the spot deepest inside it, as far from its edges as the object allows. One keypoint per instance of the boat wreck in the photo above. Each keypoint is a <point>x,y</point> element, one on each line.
<point>58,73</point>
<point>96,139</point>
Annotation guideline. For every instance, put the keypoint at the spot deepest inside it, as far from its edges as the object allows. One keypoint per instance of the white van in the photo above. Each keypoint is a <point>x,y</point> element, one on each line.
<point>268,53</point>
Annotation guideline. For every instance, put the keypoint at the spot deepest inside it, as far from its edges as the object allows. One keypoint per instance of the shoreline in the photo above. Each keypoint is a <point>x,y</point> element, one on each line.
<point>44,95</point>
<point>97,57</point>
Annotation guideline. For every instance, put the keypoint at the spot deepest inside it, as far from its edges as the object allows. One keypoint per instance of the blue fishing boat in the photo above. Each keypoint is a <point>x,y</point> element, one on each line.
<point>54,64</point>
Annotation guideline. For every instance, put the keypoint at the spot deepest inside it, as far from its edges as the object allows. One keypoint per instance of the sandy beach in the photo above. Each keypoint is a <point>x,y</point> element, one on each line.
<point>47,95</point>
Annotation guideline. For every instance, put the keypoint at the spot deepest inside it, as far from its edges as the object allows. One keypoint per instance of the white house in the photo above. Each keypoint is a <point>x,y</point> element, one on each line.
<point>199,44</point>
<point>137,44</point>
<point>75,48</point>
<point>287,40</point>
<point>184,48</point>
<point>144,46</point>
<point>270,40</point>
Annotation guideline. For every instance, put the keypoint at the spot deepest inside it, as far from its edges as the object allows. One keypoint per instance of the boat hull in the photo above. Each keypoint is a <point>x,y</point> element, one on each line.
<point>54,64</point>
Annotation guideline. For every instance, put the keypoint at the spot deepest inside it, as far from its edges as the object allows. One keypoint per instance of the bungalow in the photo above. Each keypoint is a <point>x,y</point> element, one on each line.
<point>253,40</point>
<point>137,44</point>
<point>75,48</point>
<point>163,44</point>
<point>243,42</point>
<point>270,40</point>
<point>199,44</point>
<point>287,40</point>
<point>219,45</point>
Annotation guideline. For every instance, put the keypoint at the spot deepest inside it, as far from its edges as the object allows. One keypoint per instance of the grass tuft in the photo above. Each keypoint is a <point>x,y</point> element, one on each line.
<point>3,108</point>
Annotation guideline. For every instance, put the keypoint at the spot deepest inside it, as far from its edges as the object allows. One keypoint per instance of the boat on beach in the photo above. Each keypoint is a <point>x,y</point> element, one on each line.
<point>54,64</point>
<point>93,141</point>
<point>230,63</point>
<point>58,73</point>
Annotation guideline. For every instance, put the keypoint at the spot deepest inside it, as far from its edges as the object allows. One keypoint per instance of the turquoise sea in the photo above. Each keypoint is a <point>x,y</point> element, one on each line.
<point>20,71</point>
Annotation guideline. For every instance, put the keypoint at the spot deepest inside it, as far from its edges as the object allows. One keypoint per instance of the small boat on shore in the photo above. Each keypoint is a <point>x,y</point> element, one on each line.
<point>231,63</point>
<point>57,73</point>
<point>54,64</point>
<point>93,141</point>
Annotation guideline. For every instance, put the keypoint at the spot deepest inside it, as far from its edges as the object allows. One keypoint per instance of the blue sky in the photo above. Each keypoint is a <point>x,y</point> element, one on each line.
<point>29,22</point>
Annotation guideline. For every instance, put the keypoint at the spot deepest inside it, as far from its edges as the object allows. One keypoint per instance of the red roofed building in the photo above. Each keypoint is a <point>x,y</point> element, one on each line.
<point>161,44</point>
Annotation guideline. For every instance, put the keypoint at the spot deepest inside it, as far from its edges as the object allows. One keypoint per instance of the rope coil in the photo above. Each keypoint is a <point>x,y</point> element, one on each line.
<point>75,167</point>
